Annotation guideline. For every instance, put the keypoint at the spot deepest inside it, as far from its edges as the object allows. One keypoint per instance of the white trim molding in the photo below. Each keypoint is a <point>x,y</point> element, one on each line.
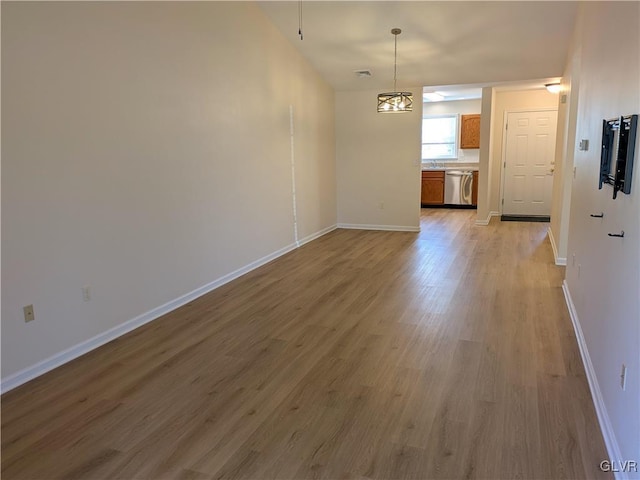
<point>389,228</point>
<point>559,260</point>
<point>613,449</point>
<point>40,368</point>
<point>488,220</point>
<point>318,234</point>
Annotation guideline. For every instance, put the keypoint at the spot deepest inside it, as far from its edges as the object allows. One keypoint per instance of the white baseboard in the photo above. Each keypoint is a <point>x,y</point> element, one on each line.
<point>390,228</point>
<point>558,260</point>
<point>488,220</point>
<point>313,236</point>
<point>40,368</point>
<point>613,449</point>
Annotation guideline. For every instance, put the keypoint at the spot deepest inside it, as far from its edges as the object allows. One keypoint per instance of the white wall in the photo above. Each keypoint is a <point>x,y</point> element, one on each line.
<point>146,154</point>
<point>378,163</point>
<point>604,282</point>
<point>565,143</point>
<point>456,107</point>
<point>485,156</point>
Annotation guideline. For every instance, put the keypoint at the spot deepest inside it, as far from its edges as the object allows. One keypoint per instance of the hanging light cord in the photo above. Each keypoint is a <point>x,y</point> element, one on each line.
<point>395,60</point>
<point>300,20</point>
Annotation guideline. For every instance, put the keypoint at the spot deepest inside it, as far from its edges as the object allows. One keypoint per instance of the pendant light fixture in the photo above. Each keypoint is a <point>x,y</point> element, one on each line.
<point>395,102</point>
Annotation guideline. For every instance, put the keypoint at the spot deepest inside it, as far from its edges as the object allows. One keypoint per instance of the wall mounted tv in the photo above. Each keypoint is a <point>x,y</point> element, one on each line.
<point>618,148</point>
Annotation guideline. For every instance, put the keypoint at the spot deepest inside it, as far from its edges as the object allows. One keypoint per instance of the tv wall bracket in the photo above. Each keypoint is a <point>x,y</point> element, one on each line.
<point>618,149</point>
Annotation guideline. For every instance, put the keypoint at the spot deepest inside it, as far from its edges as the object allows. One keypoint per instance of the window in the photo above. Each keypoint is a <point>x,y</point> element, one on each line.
<point>439,134</point>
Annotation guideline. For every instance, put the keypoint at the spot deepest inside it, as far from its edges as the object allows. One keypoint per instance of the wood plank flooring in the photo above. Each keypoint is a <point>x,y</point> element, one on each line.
<point>445,354</point>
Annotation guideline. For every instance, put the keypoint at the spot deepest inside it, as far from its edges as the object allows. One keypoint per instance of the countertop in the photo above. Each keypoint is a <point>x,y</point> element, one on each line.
<point>444,168</point>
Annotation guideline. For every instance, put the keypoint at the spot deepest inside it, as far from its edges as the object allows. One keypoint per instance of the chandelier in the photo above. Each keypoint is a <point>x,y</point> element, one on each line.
<point>395,102</point>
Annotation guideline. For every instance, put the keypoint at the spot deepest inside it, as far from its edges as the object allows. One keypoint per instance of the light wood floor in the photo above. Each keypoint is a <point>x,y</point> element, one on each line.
<point>445,354</point>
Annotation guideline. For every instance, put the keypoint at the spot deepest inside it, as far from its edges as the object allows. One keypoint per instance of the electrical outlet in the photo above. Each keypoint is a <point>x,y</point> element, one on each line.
<point>573,260</point>
<point>28,313</point>
<point>623,377</point>
<point>86,293</point>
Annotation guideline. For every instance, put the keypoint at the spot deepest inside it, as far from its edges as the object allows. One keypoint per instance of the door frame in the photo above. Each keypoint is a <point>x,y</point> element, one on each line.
<point>503,159</point>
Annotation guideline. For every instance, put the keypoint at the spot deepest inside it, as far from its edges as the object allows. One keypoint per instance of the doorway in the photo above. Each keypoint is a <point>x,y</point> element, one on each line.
<point>527,175</point>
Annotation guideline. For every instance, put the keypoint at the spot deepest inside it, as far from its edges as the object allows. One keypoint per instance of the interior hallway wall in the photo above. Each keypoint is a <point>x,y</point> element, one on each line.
<point>565,146</point>
<point>378,163</point>
<point>146,154</point>
<point>485,154</point>
<point>603,284</point>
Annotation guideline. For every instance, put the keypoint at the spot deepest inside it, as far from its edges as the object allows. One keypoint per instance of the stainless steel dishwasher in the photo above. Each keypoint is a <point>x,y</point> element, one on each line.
<point>458,185</point>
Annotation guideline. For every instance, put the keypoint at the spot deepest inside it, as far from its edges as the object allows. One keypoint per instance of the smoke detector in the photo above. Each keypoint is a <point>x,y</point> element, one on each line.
<point>363,73</point>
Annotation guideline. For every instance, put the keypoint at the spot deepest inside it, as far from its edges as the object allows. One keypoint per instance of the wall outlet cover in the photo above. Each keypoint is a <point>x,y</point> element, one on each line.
<point>29,314</point>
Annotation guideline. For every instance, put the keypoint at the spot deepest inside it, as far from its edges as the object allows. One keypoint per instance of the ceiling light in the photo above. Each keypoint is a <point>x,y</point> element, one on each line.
<point>395,102</point>
<point>553,87</point>
<point>434,97</point>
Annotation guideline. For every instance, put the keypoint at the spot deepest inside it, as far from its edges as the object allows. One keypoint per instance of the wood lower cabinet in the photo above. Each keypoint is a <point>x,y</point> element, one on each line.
<point>474,190</point>
<point>432,188</point>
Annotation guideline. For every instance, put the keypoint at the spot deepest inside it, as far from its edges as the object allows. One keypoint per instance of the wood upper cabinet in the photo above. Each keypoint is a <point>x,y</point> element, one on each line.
<point>470,131</point>
<point>432,188</point>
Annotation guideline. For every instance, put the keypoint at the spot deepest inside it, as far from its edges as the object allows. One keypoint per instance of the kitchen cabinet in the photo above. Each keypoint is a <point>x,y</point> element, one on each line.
<point>470,131</point>
<point>432,188</point>
<point>474,190</point>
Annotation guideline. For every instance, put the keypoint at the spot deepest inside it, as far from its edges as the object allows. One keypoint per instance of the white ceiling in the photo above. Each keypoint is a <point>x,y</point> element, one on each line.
<point>442,43</point>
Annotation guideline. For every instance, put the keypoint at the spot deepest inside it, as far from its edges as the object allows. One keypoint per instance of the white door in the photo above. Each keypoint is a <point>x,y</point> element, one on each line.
<point>529,159</point>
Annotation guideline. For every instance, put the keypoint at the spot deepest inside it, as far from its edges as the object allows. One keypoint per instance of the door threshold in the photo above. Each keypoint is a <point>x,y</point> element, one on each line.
<point>449,205</point>
<point>525,218</point>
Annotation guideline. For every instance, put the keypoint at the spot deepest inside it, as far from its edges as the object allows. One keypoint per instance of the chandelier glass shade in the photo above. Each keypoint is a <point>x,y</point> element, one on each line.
<point>395,102</point>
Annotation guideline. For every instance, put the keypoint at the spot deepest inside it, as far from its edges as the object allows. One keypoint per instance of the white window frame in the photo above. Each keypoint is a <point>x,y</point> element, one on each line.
<point>455,143</point>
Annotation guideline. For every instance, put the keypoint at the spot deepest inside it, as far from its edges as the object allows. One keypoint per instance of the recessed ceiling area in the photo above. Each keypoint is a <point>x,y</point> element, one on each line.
<point>448,94</point>
<point>442,43</point>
